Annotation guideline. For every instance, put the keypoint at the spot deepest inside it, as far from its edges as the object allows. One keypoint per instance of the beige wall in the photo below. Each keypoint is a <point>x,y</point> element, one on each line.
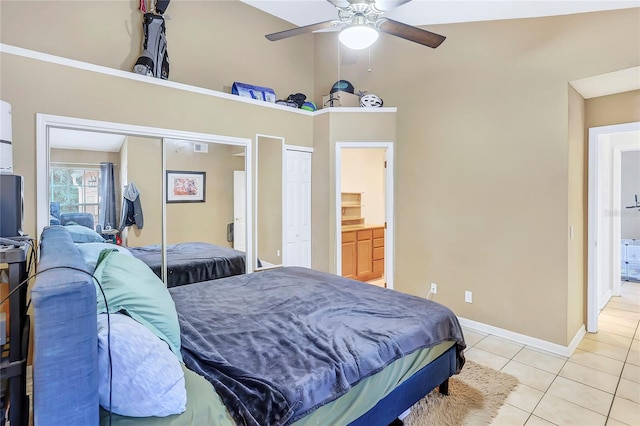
<point>82,156</point>
<point>613,109</point>
<point>577,248</point>
<point>363,171</point>
<point>269,195</point>
<point>482,155</point>
<point>206,222</point>
<point>144,169</point>
<point>211,44</point>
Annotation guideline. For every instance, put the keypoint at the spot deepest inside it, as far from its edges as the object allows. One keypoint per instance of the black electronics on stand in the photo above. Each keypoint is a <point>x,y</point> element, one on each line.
<point>11,205</point>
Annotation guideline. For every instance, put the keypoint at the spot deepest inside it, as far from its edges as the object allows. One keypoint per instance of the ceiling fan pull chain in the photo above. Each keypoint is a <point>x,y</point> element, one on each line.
<point>369,60</point>
<point>338,59</point>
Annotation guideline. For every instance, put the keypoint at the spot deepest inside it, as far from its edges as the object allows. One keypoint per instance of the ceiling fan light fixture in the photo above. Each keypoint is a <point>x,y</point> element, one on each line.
<point>358,36</point>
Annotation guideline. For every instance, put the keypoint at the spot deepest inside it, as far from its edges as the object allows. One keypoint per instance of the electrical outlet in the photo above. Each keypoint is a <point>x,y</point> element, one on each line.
<point>468,297</point>
<point>278,253</point>
<point>434,288</point>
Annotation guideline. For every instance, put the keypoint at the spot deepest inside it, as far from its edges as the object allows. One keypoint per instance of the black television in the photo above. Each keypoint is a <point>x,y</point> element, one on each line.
<point>11,205</point>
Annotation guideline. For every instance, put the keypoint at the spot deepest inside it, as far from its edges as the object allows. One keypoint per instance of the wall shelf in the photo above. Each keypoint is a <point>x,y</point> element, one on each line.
<point>352,208</point>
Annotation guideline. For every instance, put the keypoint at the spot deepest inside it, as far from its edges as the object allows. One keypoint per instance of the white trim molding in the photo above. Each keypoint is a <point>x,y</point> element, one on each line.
<point>100,69</point>
<point>599,145</point>
<point>533,342</point>
<point>298,148</point>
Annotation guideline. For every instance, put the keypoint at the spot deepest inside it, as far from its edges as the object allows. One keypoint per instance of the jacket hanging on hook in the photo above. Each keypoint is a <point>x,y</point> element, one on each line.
<point>131,207</point>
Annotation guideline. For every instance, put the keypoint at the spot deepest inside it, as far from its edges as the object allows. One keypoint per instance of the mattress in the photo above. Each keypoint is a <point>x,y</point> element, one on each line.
<point>192,262</point>
<point>204,406</point>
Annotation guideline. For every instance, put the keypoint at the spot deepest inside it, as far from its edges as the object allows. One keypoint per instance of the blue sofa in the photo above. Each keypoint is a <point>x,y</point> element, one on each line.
<point>65,372</point>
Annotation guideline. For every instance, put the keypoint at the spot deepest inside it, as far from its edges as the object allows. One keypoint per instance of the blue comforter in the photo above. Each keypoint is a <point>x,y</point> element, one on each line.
<point>278,344</point>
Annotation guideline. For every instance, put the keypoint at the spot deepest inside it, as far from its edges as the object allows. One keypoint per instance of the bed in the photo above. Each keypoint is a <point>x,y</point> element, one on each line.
<point>192,262</point>
<point>280,333</point>
<point>187,263</point>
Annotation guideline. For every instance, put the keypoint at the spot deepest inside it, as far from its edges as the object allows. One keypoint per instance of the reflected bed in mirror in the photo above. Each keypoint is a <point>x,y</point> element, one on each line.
<point>268,211</point>
<point>183,242</point>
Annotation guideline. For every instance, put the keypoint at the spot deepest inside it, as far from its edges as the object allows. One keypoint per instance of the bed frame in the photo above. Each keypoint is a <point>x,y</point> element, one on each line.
<point>65,362</point>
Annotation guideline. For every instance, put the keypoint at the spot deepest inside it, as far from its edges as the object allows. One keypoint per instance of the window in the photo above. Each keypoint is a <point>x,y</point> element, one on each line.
<point>76,189</point>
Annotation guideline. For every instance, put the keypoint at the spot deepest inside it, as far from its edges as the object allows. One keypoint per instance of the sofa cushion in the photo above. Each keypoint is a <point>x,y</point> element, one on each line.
<point>131,286</point>
<point>82,234</point>
<point>146,378</point>
<point>91,251</point>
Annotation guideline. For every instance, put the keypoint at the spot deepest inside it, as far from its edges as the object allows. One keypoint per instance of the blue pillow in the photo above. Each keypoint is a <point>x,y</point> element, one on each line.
<point>91,251</point>
<point>146,378</point>
<point>82,234</point>
<point>131,286</point>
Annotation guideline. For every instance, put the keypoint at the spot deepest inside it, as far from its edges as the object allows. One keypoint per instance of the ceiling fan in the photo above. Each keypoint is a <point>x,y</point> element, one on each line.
<point>362,21</point>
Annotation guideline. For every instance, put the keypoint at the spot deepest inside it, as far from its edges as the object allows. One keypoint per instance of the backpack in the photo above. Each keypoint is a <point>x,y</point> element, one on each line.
<point>154,60</point>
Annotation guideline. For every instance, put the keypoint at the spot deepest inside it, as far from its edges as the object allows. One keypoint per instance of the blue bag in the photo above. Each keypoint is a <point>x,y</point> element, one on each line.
<point>254,92</point>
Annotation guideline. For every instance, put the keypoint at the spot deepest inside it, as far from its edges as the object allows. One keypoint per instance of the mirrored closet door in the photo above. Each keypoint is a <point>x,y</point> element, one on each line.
<point>169,188</point>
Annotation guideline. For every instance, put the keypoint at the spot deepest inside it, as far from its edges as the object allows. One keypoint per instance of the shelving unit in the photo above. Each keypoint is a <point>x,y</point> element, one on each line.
<point>352,208</point>
<point>13,363</point>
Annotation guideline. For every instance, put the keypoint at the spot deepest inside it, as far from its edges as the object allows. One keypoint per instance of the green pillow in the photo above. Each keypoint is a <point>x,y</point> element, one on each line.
<point>131,286</point>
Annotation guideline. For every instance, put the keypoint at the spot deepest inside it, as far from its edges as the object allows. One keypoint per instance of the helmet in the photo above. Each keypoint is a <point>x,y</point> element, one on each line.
<point>342,85</point>
<point>309,106</point>
<point>370,101</point>
<point>297,98</point>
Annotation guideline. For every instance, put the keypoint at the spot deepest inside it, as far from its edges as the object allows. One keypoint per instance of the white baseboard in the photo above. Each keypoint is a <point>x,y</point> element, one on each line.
<point>534,342</point>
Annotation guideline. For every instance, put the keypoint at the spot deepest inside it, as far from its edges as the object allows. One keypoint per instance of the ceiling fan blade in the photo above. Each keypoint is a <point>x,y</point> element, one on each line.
<point>339,3</point>
<point>407,32</point>
<point>387,5</point>
<point>301,30</point>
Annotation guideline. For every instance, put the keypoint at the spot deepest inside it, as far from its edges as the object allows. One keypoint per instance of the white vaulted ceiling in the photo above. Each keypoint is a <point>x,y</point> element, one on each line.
<point>431,12</point>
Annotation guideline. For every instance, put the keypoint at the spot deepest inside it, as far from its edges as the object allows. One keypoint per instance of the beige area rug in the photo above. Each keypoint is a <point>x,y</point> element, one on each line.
<point>475,395</point>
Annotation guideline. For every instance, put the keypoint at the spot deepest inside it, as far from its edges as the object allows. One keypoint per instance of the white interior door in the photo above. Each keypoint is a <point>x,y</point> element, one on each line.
<point>297,211</point>
<point>239,210</point>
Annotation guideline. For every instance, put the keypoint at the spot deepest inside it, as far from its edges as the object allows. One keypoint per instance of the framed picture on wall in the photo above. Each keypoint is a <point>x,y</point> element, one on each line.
<point>185,187</point>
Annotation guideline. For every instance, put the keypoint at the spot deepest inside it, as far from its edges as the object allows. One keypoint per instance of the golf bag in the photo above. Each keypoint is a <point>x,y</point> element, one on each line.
<point>154,60</point>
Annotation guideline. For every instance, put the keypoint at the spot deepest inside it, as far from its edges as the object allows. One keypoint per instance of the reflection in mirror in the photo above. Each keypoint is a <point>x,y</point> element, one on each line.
<point>78,173</point>
<point>141,160</point>
<point>201,212</point>
<point>74,158</point>
<point>269,201</point>
<point>202,207</point>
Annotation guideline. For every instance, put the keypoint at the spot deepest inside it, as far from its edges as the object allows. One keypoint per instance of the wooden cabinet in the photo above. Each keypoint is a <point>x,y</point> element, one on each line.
<point>363,253</point>
<point>364,265</point>
<point>378,252</point>
<point>349,254</point>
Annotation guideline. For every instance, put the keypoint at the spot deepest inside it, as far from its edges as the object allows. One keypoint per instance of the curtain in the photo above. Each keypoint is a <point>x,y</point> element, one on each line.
<point>107,215</point>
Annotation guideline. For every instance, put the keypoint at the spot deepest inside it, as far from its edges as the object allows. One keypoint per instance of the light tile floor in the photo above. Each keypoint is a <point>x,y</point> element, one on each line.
<point>599,384</point>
